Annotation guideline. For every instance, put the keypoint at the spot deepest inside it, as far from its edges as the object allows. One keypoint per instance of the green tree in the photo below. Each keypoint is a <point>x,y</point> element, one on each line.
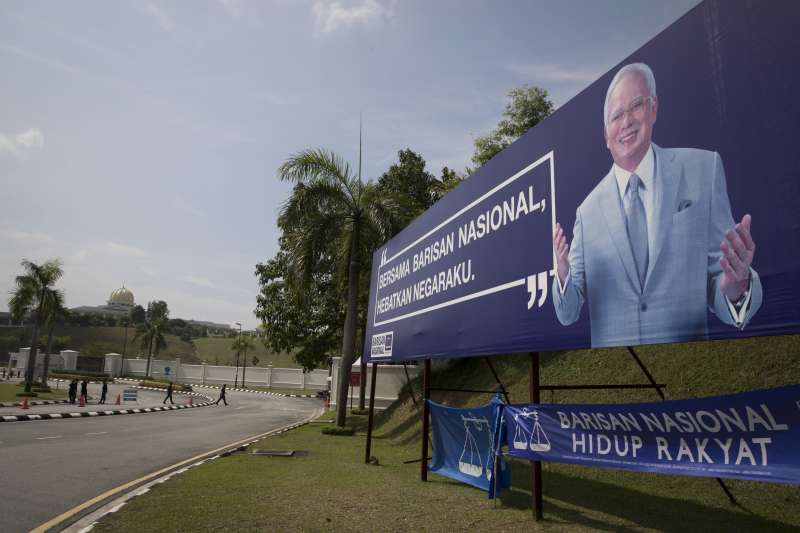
<point>329,200</point>
<point>240,346</point>
<point>306,322</point>
<point>527,107</point>
<point>54,311</point>
<point>157,310</point>
<point>32,292</point>
<point>151,336</point>
<point>138,314</point>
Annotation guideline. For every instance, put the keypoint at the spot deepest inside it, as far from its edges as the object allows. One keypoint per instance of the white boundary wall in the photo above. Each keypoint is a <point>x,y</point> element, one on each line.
<point>390,379</point>
<point>283,378</point>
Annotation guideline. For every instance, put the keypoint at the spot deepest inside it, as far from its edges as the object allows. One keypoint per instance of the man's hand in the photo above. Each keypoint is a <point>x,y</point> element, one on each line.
<point>738,250</point>
<point>561,249</point>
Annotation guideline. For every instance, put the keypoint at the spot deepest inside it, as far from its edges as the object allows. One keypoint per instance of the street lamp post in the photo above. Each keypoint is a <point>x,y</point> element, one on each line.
<point>236,376</point>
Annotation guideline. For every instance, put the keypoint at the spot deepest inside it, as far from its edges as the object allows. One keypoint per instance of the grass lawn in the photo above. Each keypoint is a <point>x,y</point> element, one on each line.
<point>332,488</point>
<point>114,338</point>
<point>8,393</point>
<point>217,350</point>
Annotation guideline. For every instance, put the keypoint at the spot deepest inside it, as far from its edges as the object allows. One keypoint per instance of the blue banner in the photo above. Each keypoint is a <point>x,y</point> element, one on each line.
<point>754,435</point>
<point>465,442</point>
<point>670,184</point>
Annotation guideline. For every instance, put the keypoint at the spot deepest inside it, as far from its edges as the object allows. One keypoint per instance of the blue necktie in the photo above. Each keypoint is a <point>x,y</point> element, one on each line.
<point>637,227</point>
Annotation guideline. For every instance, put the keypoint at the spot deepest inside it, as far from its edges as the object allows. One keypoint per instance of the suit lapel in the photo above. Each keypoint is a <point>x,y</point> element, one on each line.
<point>669,175</point>
<point>614,216</point>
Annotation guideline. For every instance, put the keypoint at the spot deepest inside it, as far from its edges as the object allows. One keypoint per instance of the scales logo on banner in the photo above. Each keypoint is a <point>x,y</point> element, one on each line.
<point>536,439</point>
<point>464,445</point>
<point>472,462</point>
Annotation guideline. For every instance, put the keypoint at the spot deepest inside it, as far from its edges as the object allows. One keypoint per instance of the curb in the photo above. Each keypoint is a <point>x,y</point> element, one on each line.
<point>193,385</point>
<point>87,414</point>
<point>88,521</point>
<point>37,402</point>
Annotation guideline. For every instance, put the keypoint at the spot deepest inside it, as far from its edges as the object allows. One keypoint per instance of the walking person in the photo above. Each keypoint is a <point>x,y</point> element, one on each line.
<point>103,392</point>
<point>85,391</point>
<point>222,395</point>
<point>73,390</point>
<point>169,394</point>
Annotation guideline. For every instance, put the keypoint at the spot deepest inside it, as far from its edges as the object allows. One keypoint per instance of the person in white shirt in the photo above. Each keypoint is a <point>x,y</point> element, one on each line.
<point>654,244</point>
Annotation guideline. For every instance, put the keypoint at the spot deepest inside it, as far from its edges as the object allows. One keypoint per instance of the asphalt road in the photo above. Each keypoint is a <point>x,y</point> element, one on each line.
<point>49,467</point>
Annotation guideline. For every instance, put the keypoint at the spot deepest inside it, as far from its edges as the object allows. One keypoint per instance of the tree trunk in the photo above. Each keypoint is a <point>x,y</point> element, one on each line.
<point>349,336</point>
<point>29,369</point>
<point>244,364</point>
<point>362,384</point>
<point>149,356</point>
<point>46,368</point>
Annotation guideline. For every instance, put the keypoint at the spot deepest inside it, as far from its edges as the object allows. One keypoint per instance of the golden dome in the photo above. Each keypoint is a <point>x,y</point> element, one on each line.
<point>121,296</point>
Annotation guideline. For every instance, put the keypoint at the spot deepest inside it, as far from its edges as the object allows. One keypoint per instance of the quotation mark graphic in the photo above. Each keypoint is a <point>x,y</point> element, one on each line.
<point>537,285</point>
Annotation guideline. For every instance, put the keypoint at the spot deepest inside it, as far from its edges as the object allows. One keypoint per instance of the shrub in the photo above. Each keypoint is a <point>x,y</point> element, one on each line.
<point>80,375</point>
<point>340,432</point>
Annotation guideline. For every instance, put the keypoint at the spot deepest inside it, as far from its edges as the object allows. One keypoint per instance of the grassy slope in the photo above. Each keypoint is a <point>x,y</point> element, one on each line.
<point>211,349</point>
<point>332,489</point>
<point>82,336</point>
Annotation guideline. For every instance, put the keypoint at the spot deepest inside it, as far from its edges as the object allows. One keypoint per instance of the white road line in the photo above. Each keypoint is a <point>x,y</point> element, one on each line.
<point>239,408</point>
<point>45,438</point>
<point>98,433</point>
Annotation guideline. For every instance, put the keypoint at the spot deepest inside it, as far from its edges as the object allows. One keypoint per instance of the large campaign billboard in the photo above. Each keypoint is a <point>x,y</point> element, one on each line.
<point>659,205</point>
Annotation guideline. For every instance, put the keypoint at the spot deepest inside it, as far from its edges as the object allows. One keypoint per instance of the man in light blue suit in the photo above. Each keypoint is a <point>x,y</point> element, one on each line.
<point>654,244</point>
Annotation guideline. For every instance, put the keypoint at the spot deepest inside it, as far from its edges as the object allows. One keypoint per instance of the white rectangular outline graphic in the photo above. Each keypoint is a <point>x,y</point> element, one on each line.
<point>549,156</point>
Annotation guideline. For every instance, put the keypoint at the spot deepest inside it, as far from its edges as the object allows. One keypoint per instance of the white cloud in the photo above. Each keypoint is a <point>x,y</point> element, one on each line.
<point>181,204</point>
<point>28,237</point>
<point>26,140</point>
<point>161,17</point>
<point>544,72</point>
<point>123,249</point>
<point>80,255</point>
<point>198,280</point>
<point>31,138</point>
<point>331,16</point>
<point>232,7</point>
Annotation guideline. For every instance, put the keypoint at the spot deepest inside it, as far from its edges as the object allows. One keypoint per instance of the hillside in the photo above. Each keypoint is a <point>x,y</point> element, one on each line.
<point>217,350</point>
<point>112,339</point>
<point>602,498</point>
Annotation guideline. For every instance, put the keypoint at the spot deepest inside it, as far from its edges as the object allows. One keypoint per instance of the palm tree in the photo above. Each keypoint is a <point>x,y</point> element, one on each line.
<point>152,339</point>
<point>241,344</point>
<point>54,310</point>
<point>331,211</point>
<point>31,296</point>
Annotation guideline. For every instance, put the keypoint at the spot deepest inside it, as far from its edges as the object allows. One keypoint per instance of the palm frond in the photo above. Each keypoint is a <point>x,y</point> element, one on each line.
<point>317,165</point>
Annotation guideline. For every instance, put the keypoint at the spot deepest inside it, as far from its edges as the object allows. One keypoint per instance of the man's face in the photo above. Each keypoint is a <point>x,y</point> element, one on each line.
<point>631,115</point>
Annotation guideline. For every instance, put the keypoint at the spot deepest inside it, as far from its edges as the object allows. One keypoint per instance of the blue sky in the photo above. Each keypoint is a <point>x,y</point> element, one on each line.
<point>139,140</point>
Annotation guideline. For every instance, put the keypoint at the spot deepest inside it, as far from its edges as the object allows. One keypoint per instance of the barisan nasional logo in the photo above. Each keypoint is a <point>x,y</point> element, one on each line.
<point>382,344</point>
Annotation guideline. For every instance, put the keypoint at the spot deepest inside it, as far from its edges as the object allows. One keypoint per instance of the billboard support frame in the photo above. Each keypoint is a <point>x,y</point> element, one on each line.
<point>372,380</point>
<point>426,395</point>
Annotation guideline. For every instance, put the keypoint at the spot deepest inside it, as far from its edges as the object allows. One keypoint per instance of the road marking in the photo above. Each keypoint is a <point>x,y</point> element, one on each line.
<point>239,408</point>
<point>98,433</point>
<point>45,438</point>
<point>107,494</point>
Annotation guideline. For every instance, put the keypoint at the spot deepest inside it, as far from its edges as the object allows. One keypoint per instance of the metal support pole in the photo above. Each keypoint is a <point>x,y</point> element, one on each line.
<point>371,411</point>
<point>410,388</point>
<point>536,466</point>
<point>663,397</point>
<point>426,394</point>
<point>497,379</point>
<point>362,386</point>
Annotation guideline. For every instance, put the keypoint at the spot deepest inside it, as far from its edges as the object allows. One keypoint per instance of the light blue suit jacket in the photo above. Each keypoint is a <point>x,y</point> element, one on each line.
<point>692,213</point>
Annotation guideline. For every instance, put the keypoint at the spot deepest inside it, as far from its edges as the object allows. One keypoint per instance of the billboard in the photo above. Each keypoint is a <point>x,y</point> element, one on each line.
<point>659,205</point>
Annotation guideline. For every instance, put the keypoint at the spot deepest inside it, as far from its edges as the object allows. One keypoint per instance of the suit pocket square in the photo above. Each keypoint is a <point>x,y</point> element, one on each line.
<point>685,204</point>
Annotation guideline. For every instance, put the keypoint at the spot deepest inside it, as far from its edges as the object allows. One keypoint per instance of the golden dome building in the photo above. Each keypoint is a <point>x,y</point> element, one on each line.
<point>121,300</point>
